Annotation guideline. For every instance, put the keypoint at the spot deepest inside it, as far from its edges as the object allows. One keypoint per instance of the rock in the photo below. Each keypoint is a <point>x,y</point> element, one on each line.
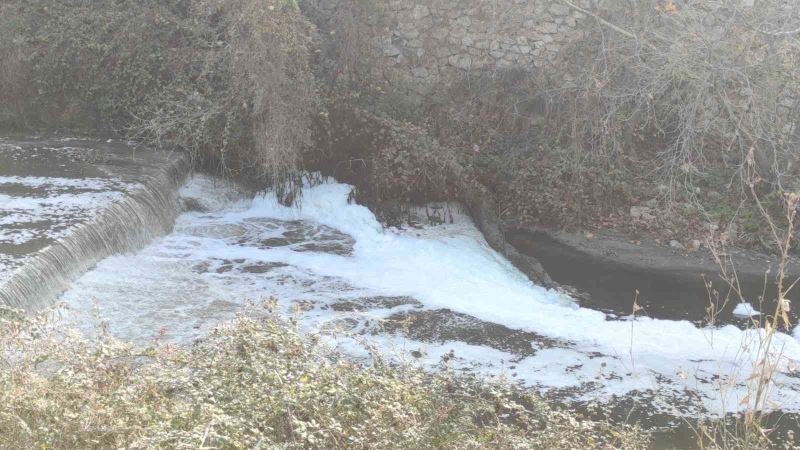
<point>192,204</point>
<point>411,34</point>
<point>642,213</point>
<point>557,9</point>
<point>695,245</point>
<point>439,33</point>
<point>421,11</point>
<point>675,245</point>
<point>464,21</point>
<point>549,28</point>
<point>391,50</point>
<point>420,72</point>
<point>461,61</point>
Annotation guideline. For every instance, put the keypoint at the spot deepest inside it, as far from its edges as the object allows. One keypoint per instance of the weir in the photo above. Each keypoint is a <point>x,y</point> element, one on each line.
<point>423,292</point>
<point>431,293</point>
<point>65,204</point>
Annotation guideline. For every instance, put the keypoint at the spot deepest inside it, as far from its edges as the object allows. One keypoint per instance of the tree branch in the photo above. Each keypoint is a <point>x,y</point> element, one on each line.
<point>601,20</point>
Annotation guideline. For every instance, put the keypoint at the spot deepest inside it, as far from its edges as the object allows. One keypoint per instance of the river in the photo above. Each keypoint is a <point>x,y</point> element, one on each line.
<point>423,294</point>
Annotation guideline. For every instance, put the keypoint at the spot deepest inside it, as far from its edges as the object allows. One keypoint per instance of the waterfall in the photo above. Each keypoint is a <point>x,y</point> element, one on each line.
<point>126,225</point>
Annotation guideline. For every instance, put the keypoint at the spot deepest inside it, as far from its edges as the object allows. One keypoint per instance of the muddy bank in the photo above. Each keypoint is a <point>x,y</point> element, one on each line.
<point>671,284</point>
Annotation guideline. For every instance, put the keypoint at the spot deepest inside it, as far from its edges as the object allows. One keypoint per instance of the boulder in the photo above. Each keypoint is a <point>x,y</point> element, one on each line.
<point>675,245</point>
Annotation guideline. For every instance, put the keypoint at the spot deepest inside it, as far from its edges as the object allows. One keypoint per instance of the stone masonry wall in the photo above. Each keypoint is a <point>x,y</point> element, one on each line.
<point>430,39</point>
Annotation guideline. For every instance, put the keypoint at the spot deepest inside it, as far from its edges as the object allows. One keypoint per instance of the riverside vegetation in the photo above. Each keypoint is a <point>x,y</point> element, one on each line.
<point>256,383</point>
<point>689,107</point>
<point>658,104</point>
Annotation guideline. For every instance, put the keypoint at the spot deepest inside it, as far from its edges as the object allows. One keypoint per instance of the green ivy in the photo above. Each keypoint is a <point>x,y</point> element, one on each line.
<point>92,63</point>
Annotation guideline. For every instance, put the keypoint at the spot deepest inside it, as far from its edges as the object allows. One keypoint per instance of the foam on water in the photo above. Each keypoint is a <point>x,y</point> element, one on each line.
<point>329,250</point>
<point>45,208</point>
<point>63,208</point>
<point>745,310</point>
<point>42,199</point>
<point>55,184</point>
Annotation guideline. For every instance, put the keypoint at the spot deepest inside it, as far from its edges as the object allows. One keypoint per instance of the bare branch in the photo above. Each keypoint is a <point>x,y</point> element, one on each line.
<point>601,20</point>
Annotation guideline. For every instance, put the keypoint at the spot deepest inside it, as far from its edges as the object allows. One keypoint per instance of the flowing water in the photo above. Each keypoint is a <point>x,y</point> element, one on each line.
<point>334,263</point>
<point>423,294</point>
<point>66,203</point>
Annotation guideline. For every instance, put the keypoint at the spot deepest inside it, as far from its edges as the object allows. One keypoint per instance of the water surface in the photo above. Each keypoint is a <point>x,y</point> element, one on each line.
<point>420,294</point>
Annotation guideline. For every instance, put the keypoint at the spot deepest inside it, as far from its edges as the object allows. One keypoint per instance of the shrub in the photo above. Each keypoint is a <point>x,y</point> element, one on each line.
<point>14,86</point>
<point>248,102</point>
<point>696,84</point>
<point>254,382</point>
<point>92,63</point>
<point>752,428</point>
<point>230,82</point>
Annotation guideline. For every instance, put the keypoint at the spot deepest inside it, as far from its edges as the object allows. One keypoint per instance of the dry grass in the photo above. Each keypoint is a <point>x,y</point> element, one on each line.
<point>256,383</point>
<point>271,45</point>
<point>750,430</point>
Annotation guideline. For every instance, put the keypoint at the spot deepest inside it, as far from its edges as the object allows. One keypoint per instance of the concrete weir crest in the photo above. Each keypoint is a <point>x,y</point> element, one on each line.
<point>67,203</point>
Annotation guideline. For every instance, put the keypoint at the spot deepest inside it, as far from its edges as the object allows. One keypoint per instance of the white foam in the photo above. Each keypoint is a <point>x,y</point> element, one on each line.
<point>59,183</point>
<point>51,214</point>
<point>450,267</point>
<point>48,208</point>
<point>462,273</point>
<point>745,310</point>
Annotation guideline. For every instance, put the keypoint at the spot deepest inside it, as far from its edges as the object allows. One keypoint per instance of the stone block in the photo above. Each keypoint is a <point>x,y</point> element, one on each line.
<point>559,9</point>
<point>462,61</point>
<point>421,11</point>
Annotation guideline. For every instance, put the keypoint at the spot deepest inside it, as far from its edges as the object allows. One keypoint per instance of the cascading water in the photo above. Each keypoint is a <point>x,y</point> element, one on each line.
<point>331,263</point>
<point>420,292</point>
<point>120,223</point>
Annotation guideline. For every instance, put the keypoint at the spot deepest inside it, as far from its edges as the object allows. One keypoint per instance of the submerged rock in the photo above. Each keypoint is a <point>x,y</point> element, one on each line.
<point>444,325</point>
<point>369,303</point>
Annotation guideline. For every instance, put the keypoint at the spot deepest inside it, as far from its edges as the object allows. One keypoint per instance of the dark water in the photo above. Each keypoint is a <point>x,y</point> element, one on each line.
<point>663,294</point>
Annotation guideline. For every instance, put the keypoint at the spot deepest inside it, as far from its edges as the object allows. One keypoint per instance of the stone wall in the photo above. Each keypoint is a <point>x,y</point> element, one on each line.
<point>428,40</point>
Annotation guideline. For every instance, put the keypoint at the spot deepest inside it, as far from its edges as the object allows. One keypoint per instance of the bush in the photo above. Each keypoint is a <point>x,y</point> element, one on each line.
<point>254,382</point>
<point>248,102</point>
<point>230,82</point>
<point>695,84</point>
<point>91,63</point>
<point>14,86</point>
